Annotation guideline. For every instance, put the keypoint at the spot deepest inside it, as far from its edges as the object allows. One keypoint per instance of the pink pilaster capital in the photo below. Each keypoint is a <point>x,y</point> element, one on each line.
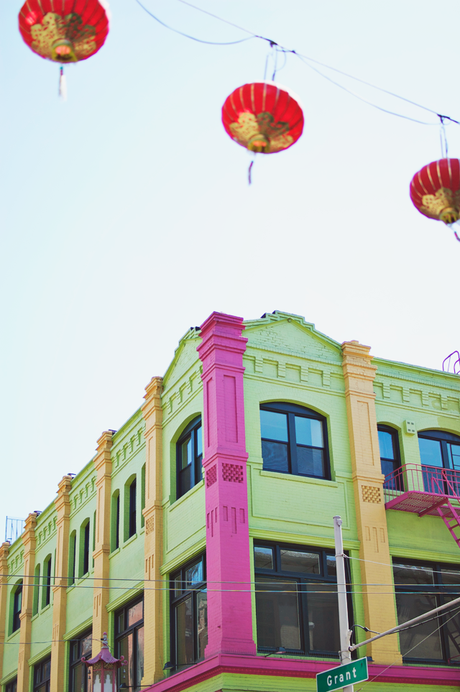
<point>222,340</point>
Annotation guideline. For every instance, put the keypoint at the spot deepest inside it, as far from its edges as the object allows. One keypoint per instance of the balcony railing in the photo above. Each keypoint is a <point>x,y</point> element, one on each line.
<point>421,489</point>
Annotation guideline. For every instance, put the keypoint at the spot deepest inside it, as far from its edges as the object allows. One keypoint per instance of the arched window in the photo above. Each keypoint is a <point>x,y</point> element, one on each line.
<point>440,450</point>
<point>132,508</point>
<point>115,525</point>
<point>17,607</point>
<point>35,604</point>
<point>84,548</point>
<point>142,494</point>
<point>390,459</point>
<point>46,594</point>
<point>294,440</point>
<point>72,557</point>
<point>189,457</point>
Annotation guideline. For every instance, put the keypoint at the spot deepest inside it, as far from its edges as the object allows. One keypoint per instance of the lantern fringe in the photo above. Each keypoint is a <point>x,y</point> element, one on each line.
<point>250,172</point>
<point>62,85</point>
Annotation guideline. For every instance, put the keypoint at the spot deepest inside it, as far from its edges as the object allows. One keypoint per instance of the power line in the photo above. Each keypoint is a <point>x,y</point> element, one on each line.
<point>307,60</point>
<point>193,38</point>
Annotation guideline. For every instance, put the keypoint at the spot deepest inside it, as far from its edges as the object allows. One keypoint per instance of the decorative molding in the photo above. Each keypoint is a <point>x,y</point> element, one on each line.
<point>371,493</point>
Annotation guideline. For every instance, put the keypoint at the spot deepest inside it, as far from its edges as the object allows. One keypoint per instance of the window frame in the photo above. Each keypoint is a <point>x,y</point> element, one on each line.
<point>84,548</point>
<point>393,484</point>
<point>291,411</point>
<point>176,601</point>
<point>121,635</point>
<point>436,591</point>
<point>302,579</point>
<point>196,465</point>
<point>44,684</point>
<point>75,661</point>
<point>17,596</point>
<point>132,508</point>
<point>11,685</point>
<point>47,572</point>
<point>450,474</point>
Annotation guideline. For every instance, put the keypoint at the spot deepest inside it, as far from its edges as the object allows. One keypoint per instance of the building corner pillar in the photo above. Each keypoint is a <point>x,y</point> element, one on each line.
<point>4,550</point>
<point>153,542</point>
<point>29,543</point>
<point>103,466</point>
<point>62,503</point>
<point>227,532</point>
<point>376,567</point>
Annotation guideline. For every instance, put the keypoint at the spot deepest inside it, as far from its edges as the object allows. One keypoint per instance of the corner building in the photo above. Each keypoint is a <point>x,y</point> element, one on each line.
<point>200,536</point>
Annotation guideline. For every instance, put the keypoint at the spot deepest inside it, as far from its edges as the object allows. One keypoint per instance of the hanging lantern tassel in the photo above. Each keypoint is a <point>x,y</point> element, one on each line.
<point>62,85</point>
<point>250,172</point>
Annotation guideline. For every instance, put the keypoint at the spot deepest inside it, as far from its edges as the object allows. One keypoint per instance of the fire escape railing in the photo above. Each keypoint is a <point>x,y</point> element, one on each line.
<point>432,480</point>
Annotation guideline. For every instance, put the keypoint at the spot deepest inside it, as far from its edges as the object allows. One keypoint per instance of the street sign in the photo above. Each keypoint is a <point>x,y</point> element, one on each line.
<point>341,676</point>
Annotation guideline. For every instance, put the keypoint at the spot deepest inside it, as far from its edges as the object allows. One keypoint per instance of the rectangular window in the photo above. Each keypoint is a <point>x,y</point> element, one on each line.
<point>11,686</point>
<point>189,614</point>
<point>42,672</point>
<point>420,588</point>
<point>129,634</point>
<point>78,677</point>
<point>296,600</point>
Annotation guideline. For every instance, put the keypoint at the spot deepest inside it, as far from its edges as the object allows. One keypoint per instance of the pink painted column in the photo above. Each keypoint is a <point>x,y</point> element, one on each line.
<point>224,463</point>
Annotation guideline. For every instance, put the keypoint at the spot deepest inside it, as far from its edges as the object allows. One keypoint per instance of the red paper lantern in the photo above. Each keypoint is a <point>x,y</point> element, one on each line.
<point>262,117</point>
<point>64,30</point>
<point>435,190</point>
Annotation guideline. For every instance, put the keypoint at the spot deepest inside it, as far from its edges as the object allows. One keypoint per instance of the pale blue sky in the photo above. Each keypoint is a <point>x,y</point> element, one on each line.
<point>126,216</point>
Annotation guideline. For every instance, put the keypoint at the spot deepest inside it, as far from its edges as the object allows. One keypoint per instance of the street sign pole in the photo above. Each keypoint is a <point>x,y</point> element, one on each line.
<point>345,654</point>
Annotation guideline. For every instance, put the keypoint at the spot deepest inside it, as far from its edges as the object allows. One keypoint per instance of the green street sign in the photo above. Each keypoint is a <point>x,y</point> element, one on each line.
<point>348,674</point>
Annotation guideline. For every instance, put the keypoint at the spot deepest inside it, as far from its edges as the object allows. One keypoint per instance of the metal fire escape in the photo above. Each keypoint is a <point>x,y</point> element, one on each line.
<point>426,490</point>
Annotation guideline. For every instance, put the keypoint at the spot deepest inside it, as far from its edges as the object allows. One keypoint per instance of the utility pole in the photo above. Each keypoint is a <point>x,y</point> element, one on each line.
<point>345,653</point>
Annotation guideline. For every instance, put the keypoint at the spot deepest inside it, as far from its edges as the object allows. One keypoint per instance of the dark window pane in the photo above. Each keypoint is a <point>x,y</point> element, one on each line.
<point>412,574</point>
<point>263,558</point>
<point>121,622</point>
<point>140,657</point>
<point>194,575</point>
<point>275,456</point>
<point>426,641</point>
<point>135,613</point>
<point>199,442</point>
<point>277,610</point>
<point>125,648</point>
<point>308,431</point>
<point>331,566</point>
<point>298,561</point>
<point>450,577</point>
<point>202,623</point>
<point>310,462</point>
<point>186,452</point>
<point>430,452</point>
<point>178,585</point>
<point>184,634</point>
<point>185,480</point>
<point>323,617</point>
<point>274,426</point>
<point>453,452</point>
<point>386,445</point>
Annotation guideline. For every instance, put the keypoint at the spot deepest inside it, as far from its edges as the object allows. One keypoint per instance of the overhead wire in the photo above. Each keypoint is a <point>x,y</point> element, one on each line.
<point>307,60</point>
<point>193,38</point>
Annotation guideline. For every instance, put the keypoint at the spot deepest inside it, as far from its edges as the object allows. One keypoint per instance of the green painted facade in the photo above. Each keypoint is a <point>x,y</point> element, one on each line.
<point>286,360</point>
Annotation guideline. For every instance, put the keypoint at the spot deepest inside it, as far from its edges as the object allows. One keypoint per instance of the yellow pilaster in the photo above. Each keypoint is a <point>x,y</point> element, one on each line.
<point>103,465</point>
<point>153,545</point>
<point>379,608</point>
<point>29,542</point>
<point>4,549</point>
<point>62,503</point>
